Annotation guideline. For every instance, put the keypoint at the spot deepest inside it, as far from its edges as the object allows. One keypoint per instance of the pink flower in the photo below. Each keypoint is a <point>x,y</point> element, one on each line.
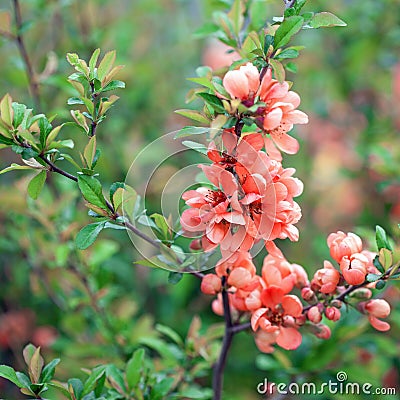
<point>279,113</point>
<point>354,269</point>
<point>341,245</point>
<point>278,317</point>
<point>377,308</point>
<point>242,83</point>
<point>210,284</point>
<point>326,279</point>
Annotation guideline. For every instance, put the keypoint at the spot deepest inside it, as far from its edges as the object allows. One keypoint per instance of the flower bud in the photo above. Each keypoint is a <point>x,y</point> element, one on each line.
<point>342,245</point>
<point>308,295</point>
<point>314,315</point>
<point>323,332</point>
<point>210,284</point>
<point>336,303</point>
<point>332,313</point>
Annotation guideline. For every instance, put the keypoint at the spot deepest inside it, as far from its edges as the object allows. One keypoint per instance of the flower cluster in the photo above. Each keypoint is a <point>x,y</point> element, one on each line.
<point>250,199</point>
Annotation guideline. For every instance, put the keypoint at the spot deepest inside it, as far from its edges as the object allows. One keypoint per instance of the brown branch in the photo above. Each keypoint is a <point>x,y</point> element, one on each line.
<point>32,80</point>
<point>219,367</point>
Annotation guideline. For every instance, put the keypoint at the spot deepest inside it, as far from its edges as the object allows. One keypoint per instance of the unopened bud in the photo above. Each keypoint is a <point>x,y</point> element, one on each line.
<point>323,332</point>
<point>332,313</point>
<point>336,303</point>
<point>314,315</point>
<point>308,295</point>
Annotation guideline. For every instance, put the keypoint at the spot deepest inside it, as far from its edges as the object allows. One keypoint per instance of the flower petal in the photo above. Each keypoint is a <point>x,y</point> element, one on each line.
<point>289,338</point>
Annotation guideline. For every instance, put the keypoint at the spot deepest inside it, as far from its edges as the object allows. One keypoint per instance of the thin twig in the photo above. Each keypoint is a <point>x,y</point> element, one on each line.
<point>218,373</point>
<point>32,80</point>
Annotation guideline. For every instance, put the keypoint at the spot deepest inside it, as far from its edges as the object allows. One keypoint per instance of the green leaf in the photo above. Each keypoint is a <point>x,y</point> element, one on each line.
<point>194,115</point>
<point>35,186</point>
<point>88,234</point>
<point>13,167</point>
<point>19,113</point>
<point>114,375</point>
<point>114,85</point>
<point>373,277</point>
<point>381,238</point>
<point>134,368</point>
<point>6,110</point>
<point>278,70</point>
<point>8,373</point>
<point>91,190</point>
<point>48,371</point>
<point>206,30</point>
<point>77,387</point>
<point>93,379</point>
<point>161,389</point>
<point>35,366</point>
<point>174,277</point>
<point>24,379</point>
<point>378,265</point>
<point>93,59</point>
<point>291,67</point>
<point>90,152</point>
<point>167,331</point>
<point>385,258</point>
<point>161,224</point>
<point>200,148</point>
<point>106,64</point>
<point>191,130</point>
<point>287,53</point>
<point>325,20</point>
<point>214,101</point>
<point>380,285</point>
<point>289,27</point>
<point>74,100</point>
<point>236,15</point>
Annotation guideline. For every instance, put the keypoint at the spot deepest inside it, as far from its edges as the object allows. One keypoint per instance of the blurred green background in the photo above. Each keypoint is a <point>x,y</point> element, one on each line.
<point>349,81</point>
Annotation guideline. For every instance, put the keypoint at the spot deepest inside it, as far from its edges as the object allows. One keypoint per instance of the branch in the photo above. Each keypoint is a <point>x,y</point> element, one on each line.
<point>218,374</point>
<point>33,83</point>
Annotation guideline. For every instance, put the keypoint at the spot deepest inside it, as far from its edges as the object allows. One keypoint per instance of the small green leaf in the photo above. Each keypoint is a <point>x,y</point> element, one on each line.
<point>214,101</point>
<point>93,379</point>
<point>48,371</point>
<point>287,53</point>
<point>74,100</point>
<point>13,167</point>
<point>279,71</point>
<point>6,110</point>
<point>194,115</point>
<point>167,331</point>
<point>90,151</point>
<point>106,64</point>
<point>35,366</point>
<point>35,186</point>
<point>134,368</point>
<point>76,387</point>
<point>174,277</point>
<point>8,373</point>
<point>385,258</point>
<point>88,234</point>
<point>91,190</point>
<point>289,27</point>
<point>378,265</point>
<point>373,277</point>
<point>381,238</point>
<point>113,85</point>
<point>191,130</point>
<point>325,20</point>
<point>114,375</point>
<point>93,59</point>
<point>24,379</point>
<point>380,285</point>
<point>161,224</point>
<point>200,148</point>
<point>161,389</point>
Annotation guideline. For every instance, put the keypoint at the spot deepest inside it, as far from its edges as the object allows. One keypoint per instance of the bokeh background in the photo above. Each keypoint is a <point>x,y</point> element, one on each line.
<point>57,297</point>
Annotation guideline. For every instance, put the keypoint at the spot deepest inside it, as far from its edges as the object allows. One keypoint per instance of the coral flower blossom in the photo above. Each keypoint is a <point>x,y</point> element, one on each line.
<point>326,279</point>
<point>377,308</point>
<point>354,268</point>
<point>278,317</point>
<point>279,113</point>
<point>242,83</point>
<point>341,244</point>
